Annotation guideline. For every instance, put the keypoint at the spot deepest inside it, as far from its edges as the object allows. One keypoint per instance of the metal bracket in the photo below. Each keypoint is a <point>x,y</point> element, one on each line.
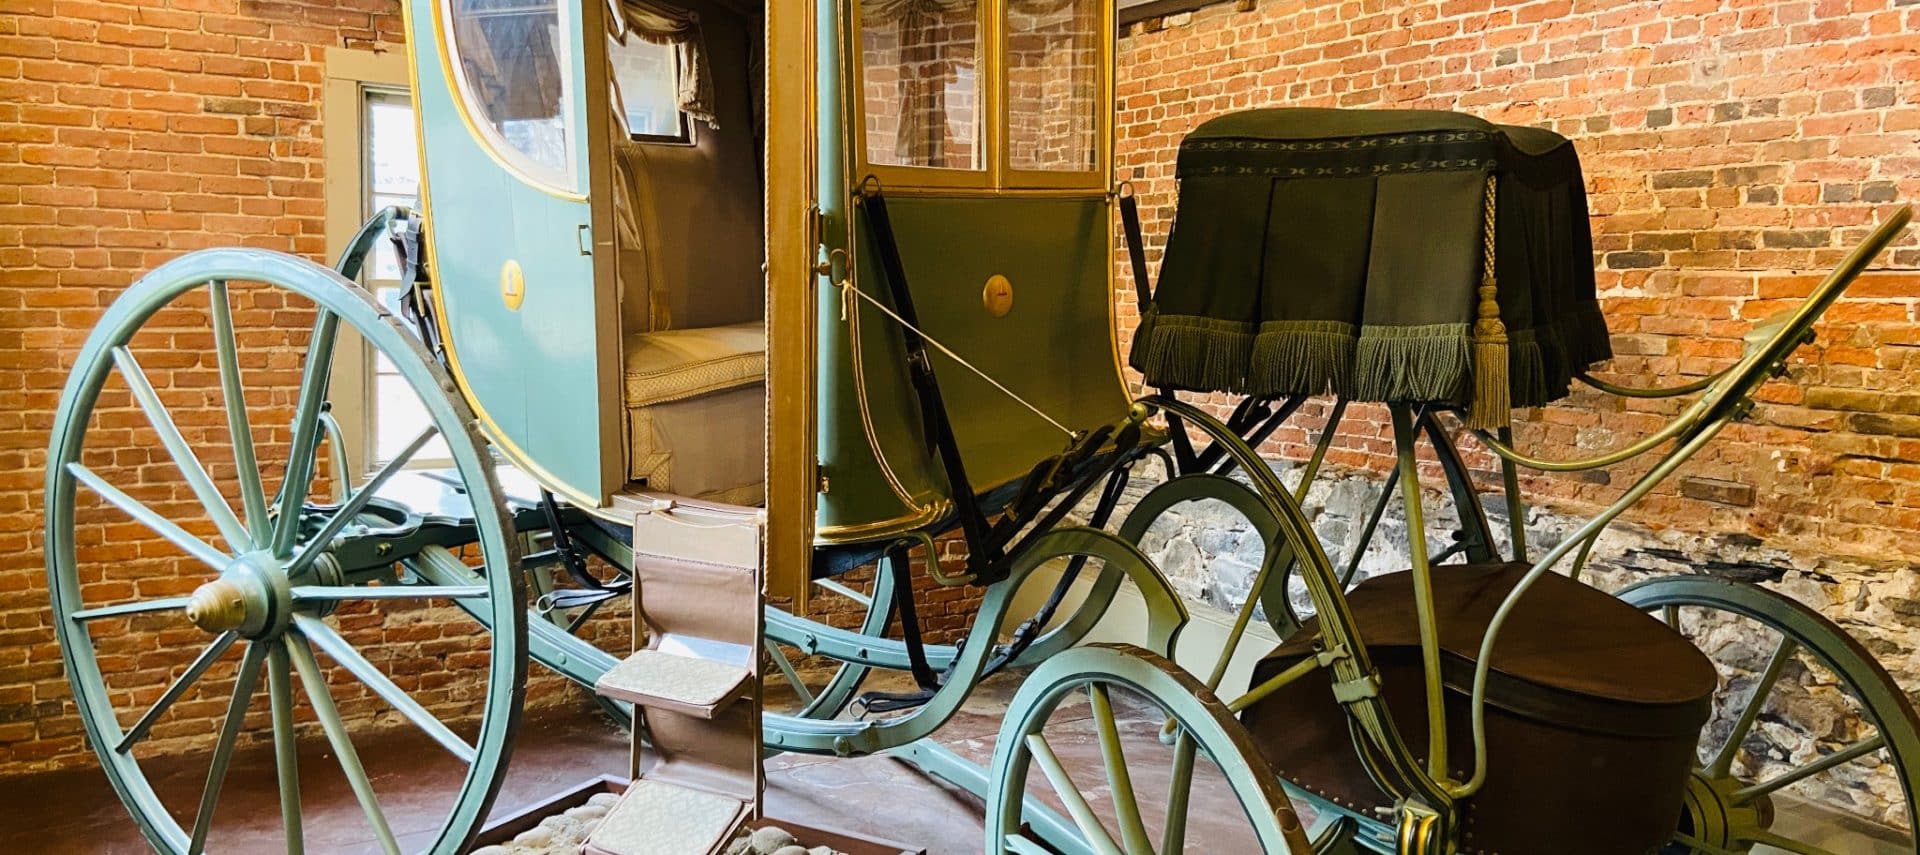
<point>1357,689</point>
<point>1331,655</point>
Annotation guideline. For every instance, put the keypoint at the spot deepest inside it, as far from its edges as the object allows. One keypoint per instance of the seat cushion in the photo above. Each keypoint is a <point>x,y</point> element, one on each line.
<point>677,364</point>
<point>696,412</point>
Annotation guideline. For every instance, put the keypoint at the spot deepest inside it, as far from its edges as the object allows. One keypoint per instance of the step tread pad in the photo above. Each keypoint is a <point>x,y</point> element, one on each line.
<point>649,675</point>
<point>657,818</point>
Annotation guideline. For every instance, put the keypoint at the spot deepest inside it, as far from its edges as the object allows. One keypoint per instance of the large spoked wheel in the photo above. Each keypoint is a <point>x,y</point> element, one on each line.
<point>1857,737</point>
<point>1129,692</point>
<point>279,579</point>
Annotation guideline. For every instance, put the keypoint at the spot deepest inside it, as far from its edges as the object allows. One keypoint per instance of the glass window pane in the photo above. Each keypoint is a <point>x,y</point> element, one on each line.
<point>402,418</point>
<point>399,415</point>
<point>649,86</point>
<point>392,170</point>
<point>921,83</point>
<point>1053,84</point>
<point>512,65</point>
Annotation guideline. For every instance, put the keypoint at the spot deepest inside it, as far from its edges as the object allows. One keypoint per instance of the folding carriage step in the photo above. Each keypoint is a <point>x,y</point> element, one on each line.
<point>685,684</point>
<point>658,818</point>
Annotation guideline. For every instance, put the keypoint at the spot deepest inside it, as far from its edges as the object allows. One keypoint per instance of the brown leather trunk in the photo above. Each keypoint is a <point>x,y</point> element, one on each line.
<point>1593,712</point>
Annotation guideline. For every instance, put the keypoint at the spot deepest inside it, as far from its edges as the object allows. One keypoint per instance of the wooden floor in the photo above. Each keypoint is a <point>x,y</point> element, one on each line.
<point>76,811</point>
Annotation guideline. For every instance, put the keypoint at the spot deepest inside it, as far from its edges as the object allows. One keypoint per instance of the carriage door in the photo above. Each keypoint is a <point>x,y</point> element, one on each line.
<point>985,123</point>
<point>514,136</point>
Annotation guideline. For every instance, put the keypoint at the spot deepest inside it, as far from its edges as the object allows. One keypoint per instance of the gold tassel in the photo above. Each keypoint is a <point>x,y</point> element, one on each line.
<point>1492,407</point>
<point>1492,395</point>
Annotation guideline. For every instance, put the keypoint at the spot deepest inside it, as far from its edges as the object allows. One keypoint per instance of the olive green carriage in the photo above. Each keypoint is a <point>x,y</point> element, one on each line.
<point>1493,705</point>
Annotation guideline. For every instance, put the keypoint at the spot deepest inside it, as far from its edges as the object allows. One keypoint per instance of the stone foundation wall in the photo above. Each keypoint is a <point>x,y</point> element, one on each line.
<point>1211,555</point>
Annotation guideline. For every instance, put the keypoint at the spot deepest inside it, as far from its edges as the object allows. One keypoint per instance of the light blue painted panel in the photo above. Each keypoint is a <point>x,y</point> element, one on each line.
<point>544,377</point>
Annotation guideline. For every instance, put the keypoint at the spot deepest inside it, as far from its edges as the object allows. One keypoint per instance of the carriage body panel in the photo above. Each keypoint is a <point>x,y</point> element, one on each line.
<point>524,294</point>
<point>997,177</point>
<point>1053,348</point>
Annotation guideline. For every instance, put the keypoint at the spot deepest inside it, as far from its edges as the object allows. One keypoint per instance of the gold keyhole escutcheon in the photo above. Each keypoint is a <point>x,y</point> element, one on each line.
<point>997,296</point>
<point>513,285</point>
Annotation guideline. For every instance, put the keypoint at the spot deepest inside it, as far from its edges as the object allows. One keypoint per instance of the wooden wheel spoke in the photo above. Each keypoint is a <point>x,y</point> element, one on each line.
<point>787,671</point>
<point>342,593</point>
<point>245,681</point>
<point>286,755</point>
<point>341,651</point>
<point>150,518</point>
<point>336,730</point>
<point>1083,817</point>
<point>200,665</point>
<point>357,503</point>
<point>306,433</point>
<point>1723,761</point>
<point>141,607</point>
<point>1173,837</point>
<point>183,457</point>
<point>1133,830</point>
<point>226,349</point>
<point>1842,757</point>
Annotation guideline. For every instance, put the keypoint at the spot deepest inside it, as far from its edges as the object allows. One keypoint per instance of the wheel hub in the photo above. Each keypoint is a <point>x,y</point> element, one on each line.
<point>1713,817</point>
<point>251,597</point>
<point>218,606</point>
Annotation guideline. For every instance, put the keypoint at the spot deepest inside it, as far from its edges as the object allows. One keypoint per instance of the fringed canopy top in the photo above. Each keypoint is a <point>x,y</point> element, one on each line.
<point>1340,251</point>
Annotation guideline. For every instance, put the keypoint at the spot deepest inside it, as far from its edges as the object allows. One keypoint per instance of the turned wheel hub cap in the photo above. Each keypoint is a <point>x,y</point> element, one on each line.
<point>218,606</point>
<point>250,597</point>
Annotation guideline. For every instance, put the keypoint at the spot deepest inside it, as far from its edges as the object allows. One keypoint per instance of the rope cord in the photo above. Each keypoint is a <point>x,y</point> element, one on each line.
<point>847,287</point>
<point>1486,234</point>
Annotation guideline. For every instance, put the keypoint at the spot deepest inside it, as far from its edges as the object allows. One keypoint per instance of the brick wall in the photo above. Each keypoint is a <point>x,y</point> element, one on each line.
<point>921,84</point>
<point>1733,152</point>
<point>130,133</point>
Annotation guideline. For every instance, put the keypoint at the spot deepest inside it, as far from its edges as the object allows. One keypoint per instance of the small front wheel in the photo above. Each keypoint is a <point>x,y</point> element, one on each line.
<point>1129,692</point>
<point>1813,723</point>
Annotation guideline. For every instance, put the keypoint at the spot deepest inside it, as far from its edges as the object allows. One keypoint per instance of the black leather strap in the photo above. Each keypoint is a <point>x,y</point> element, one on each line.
<point>983,553</point>
<point>1136,249</point>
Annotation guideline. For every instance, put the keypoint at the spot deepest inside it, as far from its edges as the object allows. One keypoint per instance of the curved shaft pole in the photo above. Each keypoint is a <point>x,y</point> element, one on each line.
<point>354,258</point>
<point>1699,385</point>
<point>1728,390</point>
<point>1680,424</point>
<point>1166,615</point>
<point>1352,669</point>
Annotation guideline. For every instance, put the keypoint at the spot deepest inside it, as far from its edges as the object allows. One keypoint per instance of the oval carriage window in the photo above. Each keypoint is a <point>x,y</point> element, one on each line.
<point>511,61</point>
<point>1053,84</point>
<point>920,82</point>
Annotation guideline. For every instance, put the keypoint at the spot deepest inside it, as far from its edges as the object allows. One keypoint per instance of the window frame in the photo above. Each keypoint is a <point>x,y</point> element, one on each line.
<point>529,171</point>
<point>1100,175</point>
<point>683,137</point>
<point>997,173</point>
<point>351,75</point>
